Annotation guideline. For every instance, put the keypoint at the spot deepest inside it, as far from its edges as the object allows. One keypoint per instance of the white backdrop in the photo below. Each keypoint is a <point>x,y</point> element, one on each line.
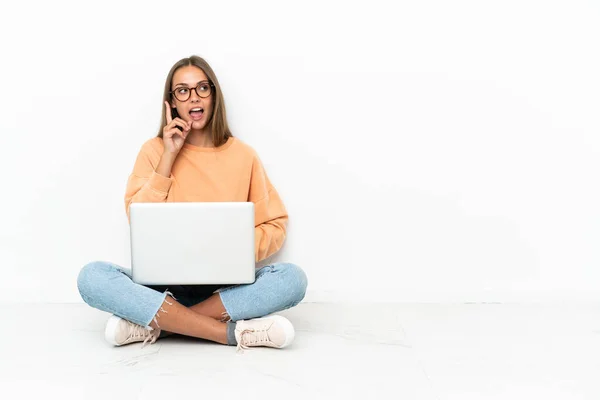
<point>426,151</point>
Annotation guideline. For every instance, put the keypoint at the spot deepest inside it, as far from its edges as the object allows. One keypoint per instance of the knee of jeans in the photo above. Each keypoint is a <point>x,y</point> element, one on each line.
<point>89,280</point>
<point>295,281</point>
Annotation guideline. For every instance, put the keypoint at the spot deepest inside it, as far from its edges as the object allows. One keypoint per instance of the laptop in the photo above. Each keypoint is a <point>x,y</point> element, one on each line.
<point>192,243</point>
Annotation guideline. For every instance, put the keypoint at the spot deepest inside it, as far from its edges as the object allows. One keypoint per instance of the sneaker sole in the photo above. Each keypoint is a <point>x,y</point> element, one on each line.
<point>111,327</point>
<point>288,328</point>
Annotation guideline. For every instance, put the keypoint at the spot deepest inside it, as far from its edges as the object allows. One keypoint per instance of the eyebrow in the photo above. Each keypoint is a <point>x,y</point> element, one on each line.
<point>196,84</point>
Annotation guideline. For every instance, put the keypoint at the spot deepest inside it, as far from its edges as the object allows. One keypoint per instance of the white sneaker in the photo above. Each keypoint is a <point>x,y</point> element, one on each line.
<point>274,331</point>
<point>119,331</point>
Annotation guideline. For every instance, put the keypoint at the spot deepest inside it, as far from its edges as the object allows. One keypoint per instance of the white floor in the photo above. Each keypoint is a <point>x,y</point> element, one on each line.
<point>341,351</point>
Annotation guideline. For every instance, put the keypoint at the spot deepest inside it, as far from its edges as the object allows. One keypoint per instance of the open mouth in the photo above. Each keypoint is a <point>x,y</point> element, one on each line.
<point>196,113</point>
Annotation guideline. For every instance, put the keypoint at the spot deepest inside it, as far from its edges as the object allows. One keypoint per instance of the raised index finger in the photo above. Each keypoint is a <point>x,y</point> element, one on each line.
<point>168,114</point>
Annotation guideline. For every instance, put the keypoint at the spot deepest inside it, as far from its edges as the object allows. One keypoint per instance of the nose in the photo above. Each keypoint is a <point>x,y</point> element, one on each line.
<point>194,96</point>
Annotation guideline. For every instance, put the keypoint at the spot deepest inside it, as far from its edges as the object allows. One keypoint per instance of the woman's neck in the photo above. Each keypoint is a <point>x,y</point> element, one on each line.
<point>200,138</point>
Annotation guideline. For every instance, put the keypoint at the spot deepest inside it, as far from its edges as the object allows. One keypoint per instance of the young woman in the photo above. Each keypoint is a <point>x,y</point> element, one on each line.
<point>196,158</point>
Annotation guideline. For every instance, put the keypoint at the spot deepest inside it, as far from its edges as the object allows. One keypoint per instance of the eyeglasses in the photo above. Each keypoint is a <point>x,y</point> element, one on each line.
<point>183,93</point>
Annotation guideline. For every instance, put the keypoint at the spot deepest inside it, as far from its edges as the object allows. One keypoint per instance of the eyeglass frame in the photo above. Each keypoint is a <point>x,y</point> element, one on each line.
<point>195,88</point>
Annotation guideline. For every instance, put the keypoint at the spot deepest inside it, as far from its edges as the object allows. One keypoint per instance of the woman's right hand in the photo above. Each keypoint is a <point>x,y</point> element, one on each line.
<point>174,138</point>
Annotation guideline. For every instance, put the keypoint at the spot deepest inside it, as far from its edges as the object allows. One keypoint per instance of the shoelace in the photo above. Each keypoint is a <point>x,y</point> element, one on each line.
<point>253,337</point>
<point>138,331</point>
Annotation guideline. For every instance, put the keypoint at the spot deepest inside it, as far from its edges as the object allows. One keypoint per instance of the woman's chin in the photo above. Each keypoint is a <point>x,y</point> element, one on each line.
<point>198,125</point>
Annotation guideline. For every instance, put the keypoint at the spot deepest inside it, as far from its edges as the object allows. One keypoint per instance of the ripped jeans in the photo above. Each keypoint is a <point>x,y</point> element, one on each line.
<point>109,288</point>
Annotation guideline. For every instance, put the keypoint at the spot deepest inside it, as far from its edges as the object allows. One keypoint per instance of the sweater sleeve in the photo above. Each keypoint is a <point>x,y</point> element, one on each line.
<point>145,185</point>
<point>270,214</point>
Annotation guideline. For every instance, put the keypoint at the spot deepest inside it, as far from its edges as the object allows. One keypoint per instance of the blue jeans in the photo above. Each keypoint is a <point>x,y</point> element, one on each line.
<point>109,288</point>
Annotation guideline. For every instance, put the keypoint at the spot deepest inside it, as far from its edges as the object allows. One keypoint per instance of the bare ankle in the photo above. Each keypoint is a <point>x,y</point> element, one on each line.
<point>176,318</point>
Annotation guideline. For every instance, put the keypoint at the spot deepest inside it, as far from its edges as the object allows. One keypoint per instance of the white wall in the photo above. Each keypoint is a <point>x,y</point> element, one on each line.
<point>426,151</point>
